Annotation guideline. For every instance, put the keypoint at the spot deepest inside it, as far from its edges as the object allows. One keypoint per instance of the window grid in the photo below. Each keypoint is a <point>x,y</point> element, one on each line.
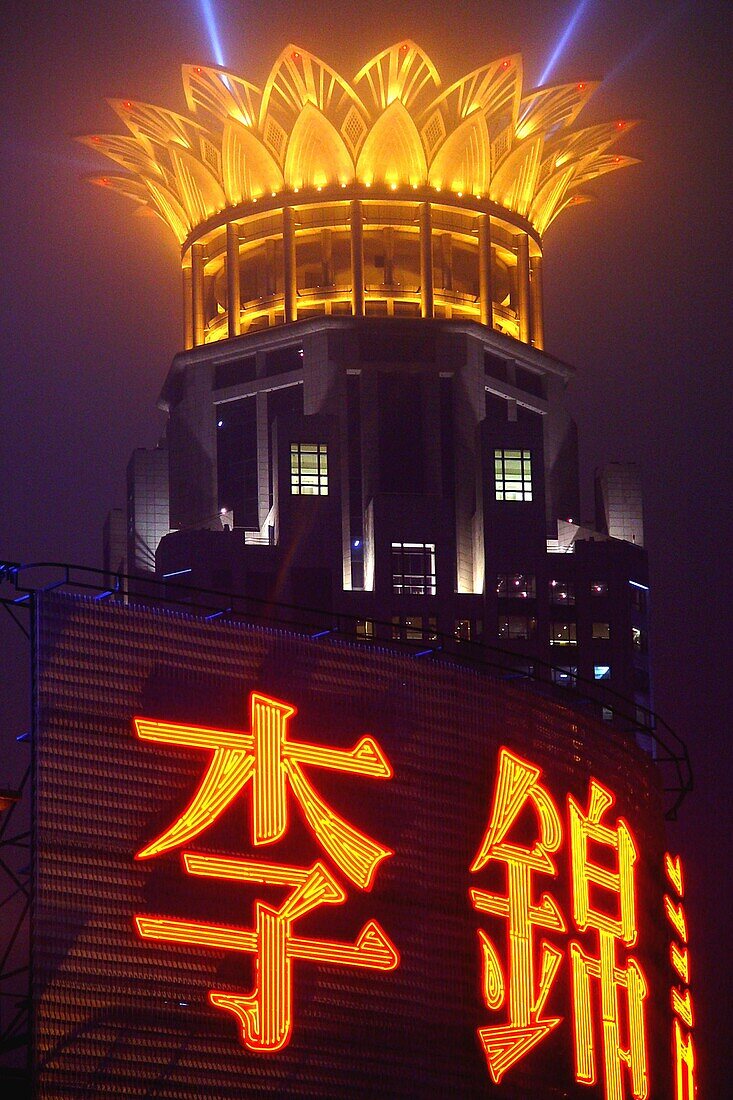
<point>563,634</point>
<point>414,628</point>
<point>565,675</point>
<point>512,474</point>
<point>515,586</point>
<point>413,568</point>
<point>512,627</point>
<point>562,592</point>
<point>309,469</point>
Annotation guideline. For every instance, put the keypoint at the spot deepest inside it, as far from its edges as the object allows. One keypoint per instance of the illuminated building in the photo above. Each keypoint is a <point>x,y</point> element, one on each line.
<point>376,424</point>
<point>370,802</point>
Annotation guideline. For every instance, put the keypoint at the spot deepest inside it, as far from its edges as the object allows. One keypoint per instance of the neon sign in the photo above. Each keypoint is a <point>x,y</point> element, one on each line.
<point>525,944</point>
<point>517,782</point>
<point>683,1022</point>
<point>517,787</point>
<point>273,764</point>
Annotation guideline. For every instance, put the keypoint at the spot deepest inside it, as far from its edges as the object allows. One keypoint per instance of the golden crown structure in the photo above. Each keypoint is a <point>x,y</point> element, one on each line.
<point>387,196</point>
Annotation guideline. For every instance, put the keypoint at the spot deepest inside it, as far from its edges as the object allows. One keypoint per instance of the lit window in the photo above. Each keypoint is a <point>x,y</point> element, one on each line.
<point>365,629</point>
<point>601,672</point>
<point>601,630</point>
<point>639,639</point>
<point>599,588</point>
<point>563,634</point>
<point>414,628</point>
<point>562,592</point>
<point>413,568</point>
<point>512,475</point>
<point>517,626</point>
<point>309,469</point>
<point>520,586</point>
<point>462,630</point>
<point>607,714</point>
<point>565,675</point>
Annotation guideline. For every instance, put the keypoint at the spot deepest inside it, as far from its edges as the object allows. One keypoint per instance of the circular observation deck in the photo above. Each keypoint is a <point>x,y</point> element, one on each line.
<point>352,250</point>
<point>388,195</point>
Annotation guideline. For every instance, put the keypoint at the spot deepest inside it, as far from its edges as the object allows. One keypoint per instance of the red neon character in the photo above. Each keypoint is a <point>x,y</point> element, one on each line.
<point>682,1044</point>
<point>517,784</point>
<point>273,763</point>
<point>266,1015</point>
<point>612,881</point>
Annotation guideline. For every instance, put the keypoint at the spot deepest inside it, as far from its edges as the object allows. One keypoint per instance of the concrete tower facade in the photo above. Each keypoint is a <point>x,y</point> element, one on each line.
<point>364,420</point>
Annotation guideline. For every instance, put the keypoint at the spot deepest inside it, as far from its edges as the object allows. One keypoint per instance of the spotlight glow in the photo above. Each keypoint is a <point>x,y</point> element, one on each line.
<point>207,10</point>
<point>563,40</point>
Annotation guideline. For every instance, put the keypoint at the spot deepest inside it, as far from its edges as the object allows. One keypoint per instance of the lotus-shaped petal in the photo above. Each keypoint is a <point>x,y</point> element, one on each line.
<point>393,127</point>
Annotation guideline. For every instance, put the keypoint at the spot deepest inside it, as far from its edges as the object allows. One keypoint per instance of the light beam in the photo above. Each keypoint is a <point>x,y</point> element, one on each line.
<point>649,40</point>
<point>563,40</point>
<point>207,10</point>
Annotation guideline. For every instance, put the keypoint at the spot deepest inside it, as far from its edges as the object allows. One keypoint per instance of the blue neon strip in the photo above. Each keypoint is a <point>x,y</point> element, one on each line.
<point>178,573</point>
<point>644,587</point>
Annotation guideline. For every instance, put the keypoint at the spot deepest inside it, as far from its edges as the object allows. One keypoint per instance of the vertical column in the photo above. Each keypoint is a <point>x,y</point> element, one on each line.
<point>357,259</point>
<point>426,260</point>
<point>388,238</point>
<point>270,267</point>
<point>197,293</point>
<point>234,303</point>
<point>538,305</point>
<point>446,260</point>
<point>326,258</point>
<point>290,289</point>
<point>523,287</point>
<point>187,309</point>
<point>485,289</point>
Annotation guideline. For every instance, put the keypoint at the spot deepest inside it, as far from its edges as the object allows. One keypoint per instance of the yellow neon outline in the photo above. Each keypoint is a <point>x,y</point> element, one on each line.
<point>266,757</point>
<point>266,1015</point>
<point>517,782</point>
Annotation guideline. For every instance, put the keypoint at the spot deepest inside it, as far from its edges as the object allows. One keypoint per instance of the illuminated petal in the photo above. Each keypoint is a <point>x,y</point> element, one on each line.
<point>494,89</point>
<point>201,193</point>
<point>248,169</point>
<point>402,72</point>
<point>515,180</point>
<point>549,108</point>
<point>316,153</point>
<point>299,79</point>
<point>463,162</point>
<point>126,151</point>
<point>570,148</point>
<point>392,152</point>
<point>155,125</point>
<point>221,94</point>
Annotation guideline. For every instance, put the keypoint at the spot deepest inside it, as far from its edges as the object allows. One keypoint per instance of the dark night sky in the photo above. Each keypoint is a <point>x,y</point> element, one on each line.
<point>637,299</point>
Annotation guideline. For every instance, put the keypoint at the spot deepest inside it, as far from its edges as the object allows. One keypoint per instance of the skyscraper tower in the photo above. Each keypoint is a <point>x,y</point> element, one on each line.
<point>364,419</point>
<point>344,777</point>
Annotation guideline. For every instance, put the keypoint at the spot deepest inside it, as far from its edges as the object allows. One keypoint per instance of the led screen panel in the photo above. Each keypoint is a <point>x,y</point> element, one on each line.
<point>275,865</point>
